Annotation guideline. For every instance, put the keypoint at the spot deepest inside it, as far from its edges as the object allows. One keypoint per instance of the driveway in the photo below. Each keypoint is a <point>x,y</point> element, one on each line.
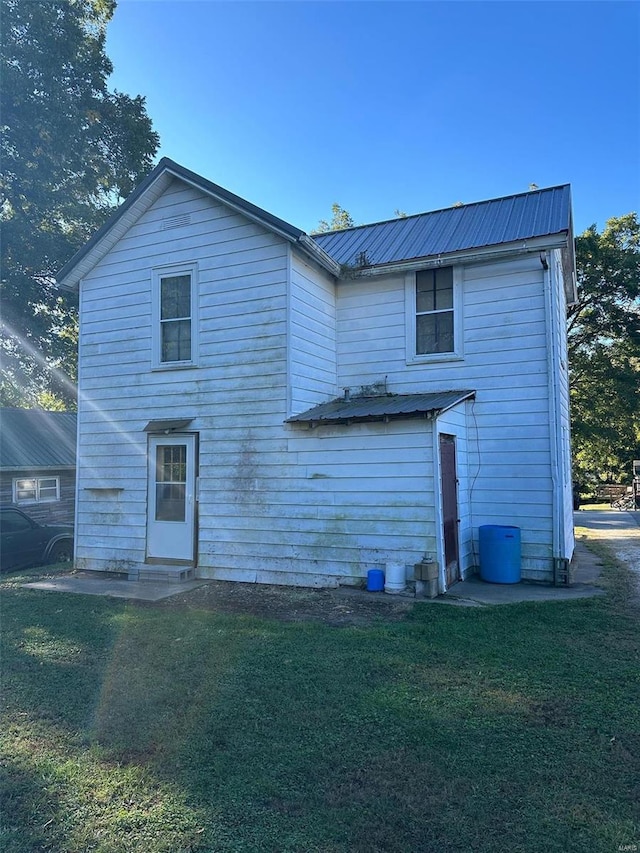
<point>618,531</point>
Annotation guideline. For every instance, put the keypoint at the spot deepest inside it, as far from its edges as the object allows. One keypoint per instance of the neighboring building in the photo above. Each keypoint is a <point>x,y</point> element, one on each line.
<point>38,463</point>
<point>260,405</point>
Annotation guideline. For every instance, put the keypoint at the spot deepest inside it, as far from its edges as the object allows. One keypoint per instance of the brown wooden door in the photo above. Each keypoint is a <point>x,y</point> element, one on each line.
<point>449,490</point>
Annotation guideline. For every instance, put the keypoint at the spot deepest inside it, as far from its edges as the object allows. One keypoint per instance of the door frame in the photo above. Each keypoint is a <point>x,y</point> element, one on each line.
<point>445,583</point>
<point>153,440</point>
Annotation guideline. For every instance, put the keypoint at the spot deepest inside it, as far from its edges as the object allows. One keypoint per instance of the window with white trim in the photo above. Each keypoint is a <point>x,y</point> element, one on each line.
<point>433,314</point>
<point>33,490</point>
<point>434,311</point>
<point>175,316</point>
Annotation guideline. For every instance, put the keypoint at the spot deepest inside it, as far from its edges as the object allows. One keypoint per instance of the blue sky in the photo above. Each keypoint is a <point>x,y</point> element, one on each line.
<point>391,105</point>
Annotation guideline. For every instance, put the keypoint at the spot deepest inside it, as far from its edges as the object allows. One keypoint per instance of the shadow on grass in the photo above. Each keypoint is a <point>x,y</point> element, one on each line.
<point>444,733</point>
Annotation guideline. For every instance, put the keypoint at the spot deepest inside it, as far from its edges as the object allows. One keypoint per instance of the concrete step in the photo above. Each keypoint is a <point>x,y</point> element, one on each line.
<point>162,574</point>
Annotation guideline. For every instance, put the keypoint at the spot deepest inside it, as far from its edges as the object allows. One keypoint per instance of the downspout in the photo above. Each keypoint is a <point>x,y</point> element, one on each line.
<point>289,333</point>
<point>557,509</point>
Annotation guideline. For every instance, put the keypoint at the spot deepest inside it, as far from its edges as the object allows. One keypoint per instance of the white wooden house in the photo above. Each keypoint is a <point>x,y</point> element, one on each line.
<point>260,405</point>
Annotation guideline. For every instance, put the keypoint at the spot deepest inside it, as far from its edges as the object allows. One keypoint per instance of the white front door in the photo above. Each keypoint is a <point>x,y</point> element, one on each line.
<point>172,497</point>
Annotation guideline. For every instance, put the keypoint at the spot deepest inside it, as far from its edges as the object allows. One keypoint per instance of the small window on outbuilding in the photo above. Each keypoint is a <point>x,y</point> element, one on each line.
<point>31,490</point>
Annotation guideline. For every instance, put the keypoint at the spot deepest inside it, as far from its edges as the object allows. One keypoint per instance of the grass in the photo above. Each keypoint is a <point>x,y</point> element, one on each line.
<point>131,728</point>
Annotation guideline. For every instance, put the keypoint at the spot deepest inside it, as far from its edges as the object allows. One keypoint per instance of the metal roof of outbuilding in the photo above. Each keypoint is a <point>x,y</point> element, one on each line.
<point>35,439</point>
<point>381,407</point>
<point>538,213</point>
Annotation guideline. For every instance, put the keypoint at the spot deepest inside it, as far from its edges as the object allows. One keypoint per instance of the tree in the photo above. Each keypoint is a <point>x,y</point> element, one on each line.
<point>604,352</point>
<point>341,218</point>
<point>71,150</point>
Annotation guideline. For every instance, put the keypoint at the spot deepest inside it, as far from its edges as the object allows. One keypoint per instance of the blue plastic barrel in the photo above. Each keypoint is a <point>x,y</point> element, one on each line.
<point>500,555</point>
<point>375,580</point>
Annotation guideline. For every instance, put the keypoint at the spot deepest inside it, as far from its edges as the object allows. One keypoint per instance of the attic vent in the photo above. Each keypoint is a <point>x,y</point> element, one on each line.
<point>175,221</point>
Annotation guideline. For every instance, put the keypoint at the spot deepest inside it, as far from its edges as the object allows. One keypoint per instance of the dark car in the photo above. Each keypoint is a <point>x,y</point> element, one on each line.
<point>24,542</point>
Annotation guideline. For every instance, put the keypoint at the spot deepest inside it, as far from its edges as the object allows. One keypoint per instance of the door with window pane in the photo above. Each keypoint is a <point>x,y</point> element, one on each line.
<point>171,497</point>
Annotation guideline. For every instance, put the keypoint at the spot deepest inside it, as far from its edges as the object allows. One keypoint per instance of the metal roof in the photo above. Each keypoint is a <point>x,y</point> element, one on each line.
<point>381,407</point>
<point>514,218</point>
<point>32,439</point>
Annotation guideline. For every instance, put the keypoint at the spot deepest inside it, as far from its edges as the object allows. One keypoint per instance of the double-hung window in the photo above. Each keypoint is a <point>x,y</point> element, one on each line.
<point>434,311</point>
<point>433,315</point>
<point>34,490</point>
<point>175,317</point>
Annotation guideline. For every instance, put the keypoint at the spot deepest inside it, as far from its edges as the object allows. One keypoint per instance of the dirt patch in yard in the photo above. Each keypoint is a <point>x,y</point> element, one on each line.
<point>340,607</point>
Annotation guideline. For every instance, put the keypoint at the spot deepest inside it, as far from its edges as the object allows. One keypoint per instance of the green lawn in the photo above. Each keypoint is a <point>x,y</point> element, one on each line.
<point>140,729</point>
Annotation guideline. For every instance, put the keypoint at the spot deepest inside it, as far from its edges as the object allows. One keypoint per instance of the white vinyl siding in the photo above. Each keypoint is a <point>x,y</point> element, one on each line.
<point>322,509</point>
<point>238,389</point>
<point>505,362</point>
<point>312,339</point>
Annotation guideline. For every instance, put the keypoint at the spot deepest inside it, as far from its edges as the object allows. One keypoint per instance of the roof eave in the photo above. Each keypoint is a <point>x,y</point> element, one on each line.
<point>319,255</point>
<point>114,228</point>
<point>570,277</point>
<point>29,466</point>
<point>477,255</point>
<point>143,197</point>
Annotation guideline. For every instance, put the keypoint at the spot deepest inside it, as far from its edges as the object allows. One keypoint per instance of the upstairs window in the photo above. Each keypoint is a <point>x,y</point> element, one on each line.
<point>175,318</point>
<point>175,322</point>
<point>434,311</point>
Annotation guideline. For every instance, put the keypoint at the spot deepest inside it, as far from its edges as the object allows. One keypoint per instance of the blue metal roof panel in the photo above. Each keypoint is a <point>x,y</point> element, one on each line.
<point>538,213</point>
<point>32,439</point>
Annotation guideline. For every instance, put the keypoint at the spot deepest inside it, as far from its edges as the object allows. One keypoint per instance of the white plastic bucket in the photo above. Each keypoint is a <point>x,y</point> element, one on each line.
<point>395,577</point>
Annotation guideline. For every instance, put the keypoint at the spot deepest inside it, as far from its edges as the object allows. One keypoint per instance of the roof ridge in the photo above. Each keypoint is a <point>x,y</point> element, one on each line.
<point>439,210</point>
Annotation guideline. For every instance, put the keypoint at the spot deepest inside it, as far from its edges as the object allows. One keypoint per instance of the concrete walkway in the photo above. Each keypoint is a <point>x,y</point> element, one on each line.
<point>93,583</point>
<point>620,531</point>
<point>477,593</point>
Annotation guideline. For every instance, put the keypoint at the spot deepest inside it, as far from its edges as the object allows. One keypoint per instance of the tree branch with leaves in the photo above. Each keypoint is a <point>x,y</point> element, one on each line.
<point>604,352</point>
<point>71,151</point>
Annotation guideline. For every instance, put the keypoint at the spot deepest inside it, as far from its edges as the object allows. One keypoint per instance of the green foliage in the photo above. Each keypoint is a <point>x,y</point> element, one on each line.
<point>340,219</point>
<point>604,352</point>
<point>71,150</point>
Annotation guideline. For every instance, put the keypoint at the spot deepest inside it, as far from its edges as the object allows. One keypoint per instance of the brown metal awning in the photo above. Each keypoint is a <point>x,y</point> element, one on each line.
<point>382,407</point>
<point>166,426</point>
